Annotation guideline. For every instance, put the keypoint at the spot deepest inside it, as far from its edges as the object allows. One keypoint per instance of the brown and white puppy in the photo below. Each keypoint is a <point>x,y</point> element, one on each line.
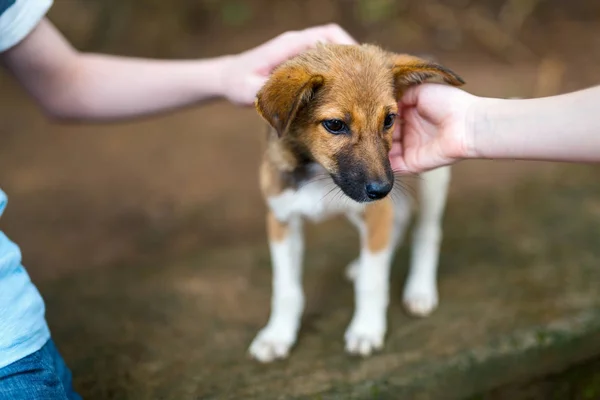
<point>331,112</point>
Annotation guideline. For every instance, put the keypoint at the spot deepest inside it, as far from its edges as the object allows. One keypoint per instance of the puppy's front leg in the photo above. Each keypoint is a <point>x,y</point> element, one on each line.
<point>371,284</point>
<point>287,301</point>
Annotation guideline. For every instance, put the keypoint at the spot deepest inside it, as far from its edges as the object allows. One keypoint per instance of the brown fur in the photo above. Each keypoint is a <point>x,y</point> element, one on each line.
<point>356,84</point>
<point>280,169</point>
<point>359,85</point>
<point>276,229</point>
<point>379,220</point>
<point>273,178</point>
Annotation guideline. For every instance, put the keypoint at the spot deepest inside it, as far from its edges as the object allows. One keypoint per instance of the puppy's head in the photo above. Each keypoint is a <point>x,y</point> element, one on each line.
<point>337,105</point>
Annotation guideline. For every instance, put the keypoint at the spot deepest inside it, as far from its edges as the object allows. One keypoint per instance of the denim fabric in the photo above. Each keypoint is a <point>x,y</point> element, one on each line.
<point>42,375</point>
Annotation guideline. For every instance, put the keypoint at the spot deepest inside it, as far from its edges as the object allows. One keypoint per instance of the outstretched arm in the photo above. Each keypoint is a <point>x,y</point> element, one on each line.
<point>442,125</point>
<point>558,128</point>
<point>73,85</point>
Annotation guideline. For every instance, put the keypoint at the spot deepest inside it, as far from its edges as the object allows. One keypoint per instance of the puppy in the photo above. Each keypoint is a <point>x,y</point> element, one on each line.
<point>331,113</point>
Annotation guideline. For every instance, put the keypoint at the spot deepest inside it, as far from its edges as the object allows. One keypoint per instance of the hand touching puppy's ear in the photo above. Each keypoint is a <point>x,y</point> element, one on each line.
<point>409,70</point>
<point>288,89</point>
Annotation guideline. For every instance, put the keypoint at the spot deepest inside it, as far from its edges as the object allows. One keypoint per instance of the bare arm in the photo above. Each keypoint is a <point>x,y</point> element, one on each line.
<point>73,85</point>
<point>443,124</point>
<point>68,84</point>
<point>558,128</point>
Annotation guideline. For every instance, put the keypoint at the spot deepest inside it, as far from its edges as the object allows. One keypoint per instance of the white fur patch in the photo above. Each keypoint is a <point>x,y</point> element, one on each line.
<point>316,199</point>
<point>287,302</point>
<point>371,288</point>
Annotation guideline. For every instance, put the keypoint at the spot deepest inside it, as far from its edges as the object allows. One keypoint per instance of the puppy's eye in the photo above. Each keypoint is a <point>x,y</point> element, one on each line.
<point>335,126</point>
<point>389,121</point>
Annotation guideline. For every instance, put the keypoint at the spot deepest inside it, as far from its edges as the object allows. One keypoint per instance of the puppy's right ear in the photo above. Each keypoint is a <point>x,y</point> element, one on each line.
<point>288,89</point>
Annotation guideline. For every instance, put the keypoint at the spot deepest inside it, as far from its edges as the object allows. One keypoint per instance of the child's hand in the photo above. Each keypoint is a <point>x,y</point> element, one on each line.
<point>435,129</point>
<point>245,73</point>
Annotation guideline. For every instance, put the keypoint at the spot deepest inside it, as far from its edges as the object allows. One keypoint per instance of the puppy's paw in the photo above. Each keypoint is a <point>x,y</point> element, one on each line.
<point>420,300</point>
<point>271,344</point>
<point>363,338</point>
<point>352,270</point>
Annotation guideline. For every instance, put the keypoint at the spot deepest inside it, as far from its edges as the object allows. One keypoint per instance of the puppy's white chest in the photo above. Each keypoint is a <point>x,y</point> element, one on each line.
<point>315,200</point>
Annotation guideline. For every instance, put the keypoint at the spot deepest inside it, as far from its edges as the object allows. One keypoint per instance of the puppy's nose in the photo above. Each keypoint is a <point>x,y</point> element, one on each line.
<point>378,189</point>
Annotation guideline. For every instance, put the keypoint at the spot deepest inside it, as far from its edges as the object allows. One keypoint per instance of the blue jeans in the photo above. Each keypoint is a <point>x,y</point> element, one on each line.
<point>42,375</point>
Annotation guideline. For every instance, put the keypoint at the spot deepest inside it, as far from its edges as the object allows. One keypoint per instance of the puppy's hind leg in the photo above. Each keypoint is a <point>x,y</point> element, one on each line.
<point>286,245</point>
<point>420,291</point>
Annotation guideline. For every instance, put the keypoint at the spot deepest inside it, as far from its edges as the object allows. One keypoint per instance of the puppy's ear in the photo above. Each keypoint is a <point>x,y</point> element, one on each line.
<point>409,70</point>
<point>287,90</point>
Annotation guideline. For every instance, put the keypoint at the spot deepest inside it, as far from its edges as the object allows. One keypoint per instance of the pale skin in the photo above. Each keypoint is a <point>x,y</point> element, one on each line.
<point>72,85</point>
<point>442,125</point>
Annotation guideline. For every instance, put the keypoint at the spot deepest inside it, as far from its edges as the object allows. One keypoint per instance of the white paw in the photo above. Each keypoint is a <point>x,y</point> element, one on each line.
<point>352,270</point>
<point>420,301</point>
<point>271,344</point>
<point>363,338</point>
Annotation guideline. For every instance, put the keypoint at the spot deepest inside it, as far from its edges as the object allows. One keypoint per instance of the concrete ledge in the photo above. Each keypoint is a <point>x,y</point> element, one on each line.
<point>519,356</point>
<point>519,298</point>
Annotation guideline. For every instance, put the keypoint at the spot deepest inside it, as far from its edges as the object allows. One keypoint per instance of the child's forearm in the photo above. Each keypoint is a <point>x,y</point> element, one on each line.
<point>559,128</point>
<point>109,88</point>
<point>71,85</point>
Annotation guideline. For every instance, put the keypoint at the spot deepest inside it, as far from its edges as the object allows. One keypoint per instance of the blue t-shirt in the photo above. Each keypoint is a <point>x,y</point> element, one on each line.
<point>23,328</point>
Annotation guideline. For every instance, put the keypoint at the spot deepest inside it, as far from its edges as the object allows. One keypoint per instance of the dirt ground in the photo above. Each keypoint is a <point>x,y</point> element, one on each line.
<point>83,196</point>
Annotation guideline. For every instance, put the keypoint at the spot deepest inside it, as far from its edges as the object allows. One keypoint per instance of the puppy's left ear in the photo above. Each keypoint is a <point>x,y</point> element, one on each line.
<point>288,89</point>
<point>410,70</point>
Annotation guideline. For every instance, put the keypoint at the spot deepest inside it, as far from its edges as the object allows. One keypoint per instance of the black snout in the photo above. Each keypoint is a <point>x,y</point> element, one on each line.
<point>378,189</point>
<point>364,178</point>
